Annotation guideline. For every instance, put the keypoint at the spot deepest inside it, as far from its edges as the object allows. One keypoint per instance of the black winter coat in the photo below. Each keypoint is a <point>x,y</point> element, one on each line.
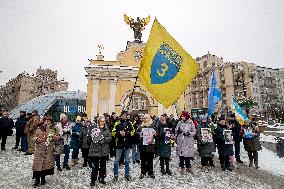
<point>205,149</point>
<point>146,148</point>
<point>163,149</point>
<point>6,126</point>
<point>123,142</point>
<point>223,149</point>
<point>100,148</point>
<point>20,126</point>
<point>237,131</point>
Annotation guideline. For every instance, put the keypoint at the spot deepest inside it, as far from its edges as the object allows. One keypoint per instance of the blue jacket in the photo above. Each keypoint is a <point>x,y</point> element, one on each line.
<point>75,131</point>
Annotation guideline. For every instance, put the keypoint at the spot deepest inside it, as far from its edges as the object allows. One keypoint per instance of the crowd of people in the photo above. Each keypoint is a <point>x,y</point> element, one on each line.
<point>112,136</point>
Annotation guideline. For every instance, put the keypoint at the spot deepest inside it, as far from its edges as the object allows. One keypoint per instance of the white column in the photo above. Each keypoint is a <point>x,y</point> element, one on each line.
<point>95,98</point>
<point>112,92</point>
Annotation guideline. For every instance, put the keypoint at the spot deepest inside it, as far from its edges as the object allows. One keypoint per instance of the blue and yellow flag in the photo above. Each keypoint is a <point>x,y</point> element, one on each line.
<point>214,93</point>
<point>241,116</point>
<point>166,69</point>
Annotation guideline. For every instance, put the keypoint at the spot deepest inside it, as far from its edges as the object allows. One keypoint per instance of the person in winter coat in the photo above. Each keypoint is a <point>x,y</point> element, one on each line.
<point>163,148</point>
<point>250,134</point>
<point>205,144</point>
<point>74,144</point>
<point>83,140</point>
<point>237,129</point>
<point>99,139</point>
<point>225,149</point>
<point>6,126</point>
<point>147,151</point>
<point>122,132</point>
<point>135,139</point>
<point>185,132</point>
<point>43,162</point>
<point>64,130</point>
<point>113,120</point>
<point>30,130</point>
<point>20,127</point>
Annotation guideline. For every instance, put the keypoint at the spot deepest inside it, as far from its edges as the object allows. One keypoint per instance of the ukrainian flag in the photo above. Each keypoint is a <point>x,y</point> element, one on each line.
<point>166,69</point>
<point>241,116</point>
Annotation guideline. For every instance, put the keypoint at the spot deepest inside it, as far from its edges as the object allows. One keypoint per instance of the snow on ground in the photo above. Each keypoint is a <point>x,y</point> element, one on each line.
<point>277,126</point>
<point>268,138</point>
<point>16,173</point>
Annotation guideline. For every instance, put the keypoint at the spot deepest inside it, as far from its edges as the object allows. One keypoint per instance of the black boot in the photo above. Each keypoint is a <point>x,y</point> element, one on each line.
<point>168,171</point>
<point>66,166</point>
<point>223,167</point>
<point>102,180</point>
<point>37,182</point>
<point>43,181</point>
<point>162,164</point>
<point>85,164</point>
<point>93,179</point>
<point>239,160</point>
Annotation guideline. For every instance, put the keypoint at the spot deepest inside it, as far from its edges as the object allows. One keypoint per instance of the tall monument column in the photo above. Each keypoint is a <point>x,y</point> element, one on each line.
<point>112,88</point>
<point>95,98</point>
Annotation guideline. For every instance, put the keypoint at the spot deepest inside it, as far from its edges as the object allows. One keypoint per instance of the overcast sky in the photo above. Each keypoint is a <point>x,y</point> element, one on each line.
<point>64,34</point>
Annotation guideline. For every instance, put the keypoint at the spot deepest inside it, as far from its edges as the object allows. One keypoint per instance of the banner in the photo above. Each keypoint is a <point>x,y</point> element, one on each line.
<point>166,69</point>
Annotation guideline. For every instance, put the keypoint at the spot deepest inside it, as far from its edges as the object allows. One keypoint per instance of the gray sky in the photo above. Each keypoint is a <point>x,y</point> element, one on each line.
<point>63,34</point>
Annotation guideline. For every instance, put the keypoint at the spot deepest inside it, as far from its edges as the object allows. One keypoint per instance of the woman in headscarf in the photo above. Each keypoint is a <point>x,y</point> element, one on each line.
<point>43,162</point>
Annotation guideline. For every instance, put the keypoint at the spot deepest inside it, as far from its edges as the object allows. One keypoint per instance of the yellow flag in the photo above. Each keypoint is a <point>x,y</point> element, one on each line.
<point>166,69</point>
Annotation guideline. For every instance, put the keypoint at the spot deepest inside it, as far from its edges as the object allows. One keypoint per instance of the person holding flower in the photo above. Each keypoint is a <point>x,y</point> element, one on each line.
<point>43,162</point>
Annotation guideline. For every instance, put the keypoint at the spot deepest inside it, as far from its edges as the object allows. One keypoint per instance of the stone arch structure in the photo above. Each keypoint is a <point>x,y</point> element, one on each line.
<point>141,101</point>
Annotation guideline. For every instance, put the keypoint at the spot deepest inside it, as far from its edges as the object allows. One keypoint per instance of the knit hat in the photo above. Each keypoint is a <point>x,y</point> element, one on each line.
<point>222,117</point>
<point>185,114</point>
<point>123,112</point>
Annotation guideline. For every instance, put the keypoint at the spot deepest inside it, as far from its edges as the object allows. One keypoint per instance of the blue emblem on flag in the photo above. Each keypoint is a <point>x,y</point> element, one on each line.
<point>165,65</point>
<point>73,109</point>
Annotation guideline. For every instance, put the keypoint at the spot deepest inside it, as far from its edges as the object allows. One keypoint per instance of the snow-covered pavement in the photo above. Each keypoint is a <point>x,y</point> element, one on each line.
<point>16,173</point>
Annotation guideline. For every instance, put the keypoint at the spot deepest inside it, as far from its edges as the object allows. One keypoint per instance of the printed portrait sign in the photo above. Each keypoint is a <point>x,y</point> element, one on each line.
<point>169,136</point>
<point>95,134</point>
<point>228,136</point>
<point>148,136</point>
<point>206,135</point>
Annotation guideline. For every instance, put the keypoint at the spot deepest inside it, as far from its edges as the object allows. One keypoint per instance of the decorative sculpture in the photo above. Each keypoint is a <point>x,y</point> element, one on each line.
<point>137,26</point>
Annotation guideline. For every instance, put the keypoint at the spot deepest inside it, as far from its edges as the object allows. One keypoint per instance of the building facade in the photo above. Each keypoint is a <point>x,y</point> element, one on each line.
<point>114,86</point>
<point>238,79</point>
<point>26,86</point>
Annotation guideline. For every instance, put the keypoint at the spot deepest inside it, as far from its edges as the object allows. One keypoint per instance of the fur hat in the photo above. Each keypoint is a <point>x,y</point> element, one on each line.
<point>78,118</point>
<point>62,115</point>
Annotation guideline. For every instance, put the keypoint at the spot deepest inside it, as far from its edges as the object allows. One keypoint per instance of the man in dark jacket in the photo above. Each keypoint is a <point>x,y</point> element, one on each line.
<point>20,128</point>
<point>237,129</point>
<point>122,132</point>
<point>6,126</point>
<point>113,120</point>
